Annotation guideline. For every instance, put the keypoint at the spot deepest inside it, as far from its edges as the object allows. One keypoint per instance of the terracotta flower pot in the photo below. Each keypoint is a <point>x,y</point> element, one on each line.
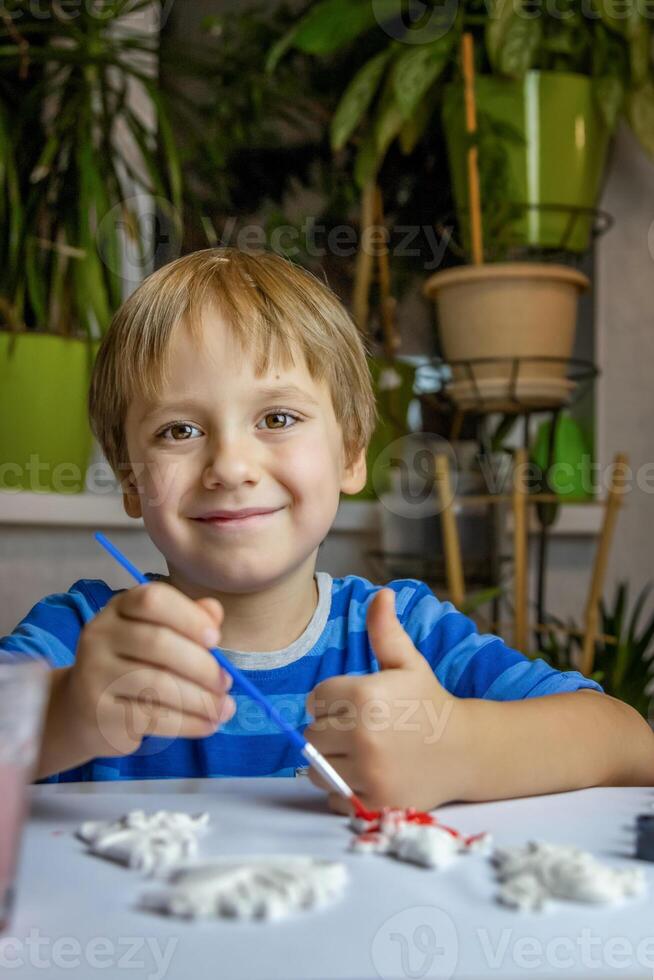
<point>513,327</point>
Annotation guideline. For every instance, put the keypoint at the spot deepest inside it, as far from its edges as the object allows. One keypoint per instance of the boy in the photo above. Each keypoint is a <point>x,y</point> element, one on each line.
<point>231,396</point>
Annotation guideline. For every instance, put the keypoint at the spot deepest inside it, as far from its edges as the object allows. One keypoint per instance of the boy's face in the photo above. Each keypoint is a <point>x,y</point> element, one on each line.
<point>221,439</point>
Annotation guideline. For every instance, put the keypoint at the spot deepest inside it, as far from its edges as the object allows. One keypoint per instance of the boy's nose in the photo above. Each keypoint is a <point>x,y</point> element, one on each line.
<point>230,465</point>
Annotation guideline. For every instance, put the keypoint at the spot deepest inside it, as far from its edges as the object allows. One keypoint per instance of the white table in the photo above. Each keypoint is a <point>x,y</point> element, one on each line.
<point>76,915</point>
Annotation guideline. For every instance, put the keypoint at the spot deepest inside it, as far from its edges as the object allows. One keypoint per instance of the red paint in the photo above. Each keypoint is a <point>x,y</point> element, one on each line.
<point>409,815</point>
<point>369,835</point>
<point>375,819</point>
<point>360,810</point>
<point>417,816</point>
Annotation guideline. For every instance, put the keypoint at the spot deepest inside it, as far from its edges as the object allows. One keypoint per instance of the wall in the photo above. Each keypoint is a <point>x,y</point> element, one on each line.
<point>624,293</point>
<point>625,334</point>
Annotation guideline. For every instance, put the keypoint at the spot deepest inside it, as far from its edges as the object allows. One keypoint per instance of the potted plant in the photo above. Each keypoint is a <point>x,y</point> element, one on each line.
<point>552,84</point>
<point>623,653</point>
<point>78,156</point>
<point>508,329</point>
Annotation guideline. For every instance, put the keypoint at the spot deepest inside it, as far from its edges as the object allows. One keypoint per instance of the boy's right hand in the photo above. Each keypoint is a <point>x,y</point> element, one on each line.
<point>143,668</point>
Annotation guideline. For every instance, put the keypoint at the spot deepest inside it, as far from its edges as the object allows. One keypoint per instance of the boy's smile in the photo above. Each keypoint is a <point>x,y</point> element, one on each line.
<point>237,476</point>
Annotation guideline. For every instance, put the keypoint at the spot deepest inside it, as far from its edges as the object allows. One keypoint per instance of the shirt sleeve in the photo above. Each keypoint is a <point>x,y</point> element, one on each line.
<point>52,627</point>
<point>470,664</point>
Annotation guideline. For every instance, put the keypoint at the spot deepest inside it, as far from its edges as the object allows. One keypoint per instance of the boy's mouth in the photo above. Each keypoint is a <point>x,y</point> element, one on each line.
<point>237,518</point>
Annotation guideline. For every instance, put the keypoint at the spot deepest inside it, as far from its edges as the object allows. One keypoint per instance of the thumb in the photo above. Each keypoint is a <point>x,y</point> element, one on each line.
<point>392,646</point>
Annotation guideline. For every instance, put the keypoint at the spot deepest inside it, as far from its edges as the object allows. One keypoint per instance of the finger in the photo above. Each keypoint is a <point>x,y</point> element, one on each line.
<point>336,694</point>
<point>160,690</point>
<point>346,768</point>
<point>338,804</point>
<point>330,741</point>
<point>139,721</point>
<point>164,605</point>
<point>161,647</point>
<point>214,608</point>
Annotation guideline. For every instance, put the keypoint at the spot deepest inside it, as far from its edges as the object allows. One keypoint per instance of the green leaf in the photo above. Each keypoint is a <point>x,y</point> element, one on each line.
<point>609,98</point>
<point>478,599</point>
<point>519,45</point>
<point>367,160</point>
<point>513,35</point>
<point>280,47</point>
<point>417,69</point>
<point>386,126</point>
<point>36,288</point>
<point>413,129</point>
<point>170,154</point>
<point>500,14</point>
<point>332,24</point>
<point>357,97</point>
<point>640,45</point>
<point>389,120</point>
<point>640,112</point>
<point>621,16</point>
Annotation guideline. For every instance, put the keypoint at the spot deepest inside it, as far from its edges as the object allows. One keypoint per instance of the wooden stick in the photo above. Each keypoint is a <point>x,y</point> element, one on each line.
<point>520,550</point>
<point>613,501</point>
<point>468,68</point>
<point>451,544</point>
<point>365,261</point>
<point>387,302</point>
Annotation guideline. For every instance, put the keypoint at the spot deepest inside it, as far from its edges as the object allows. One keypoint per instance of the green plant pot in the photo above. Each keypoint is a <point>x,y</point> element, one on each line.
<point>46,441</point>
<point>571,474</point>
<point>559,161</point>
<point>393,404</point>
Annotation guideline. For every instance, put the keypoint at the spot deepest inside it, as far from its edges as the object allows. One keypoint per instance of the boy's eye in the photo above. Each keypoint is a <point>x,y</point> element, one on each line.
<point>278,417</point>
<point>179,431</point>
<point>182,431</point>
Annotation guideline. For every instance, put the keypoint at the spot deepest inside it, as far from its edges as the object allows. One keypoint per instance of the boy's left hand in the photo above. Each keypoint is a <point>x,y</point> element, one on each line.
<point>394,736</point>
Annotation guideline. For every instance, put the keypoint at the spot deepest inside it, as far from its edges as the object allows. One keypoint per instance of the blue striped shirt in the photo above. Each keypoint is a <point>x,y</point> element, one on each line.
<point>468,664</point>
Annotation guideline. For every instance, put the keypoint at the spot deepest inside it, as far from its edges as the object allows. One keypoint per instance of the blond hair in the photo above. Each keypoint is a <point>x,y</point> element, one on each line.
<point>274,308</point>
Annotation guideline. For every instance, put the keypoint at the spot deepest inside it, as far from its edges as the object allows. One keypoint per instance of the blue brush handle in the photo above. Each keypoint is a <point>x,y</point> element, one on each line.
<point>247,685</point>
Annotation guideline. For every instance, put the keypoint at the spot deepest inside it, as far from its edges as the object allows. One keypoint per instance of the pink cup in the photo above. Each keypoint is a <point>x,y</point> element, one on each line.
<point>23,688</point>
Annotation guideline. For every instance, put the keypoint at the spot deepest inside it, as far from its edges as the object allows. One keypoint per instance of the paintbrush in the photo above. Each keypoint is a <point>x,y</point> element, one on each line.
<point>310,753</point>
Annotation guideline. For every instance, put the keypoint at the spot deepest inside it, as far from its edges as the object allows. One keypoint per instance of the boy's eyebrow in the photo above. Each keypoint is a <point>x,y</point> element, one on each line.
<point>285,391</point>
<point>267,391</point>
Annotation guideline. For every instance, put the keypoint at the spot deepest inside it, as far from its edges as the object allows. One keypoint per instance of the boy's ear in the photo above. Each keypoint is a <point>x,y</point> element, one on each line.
<point>131,496</point>
<point>354,475</point>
